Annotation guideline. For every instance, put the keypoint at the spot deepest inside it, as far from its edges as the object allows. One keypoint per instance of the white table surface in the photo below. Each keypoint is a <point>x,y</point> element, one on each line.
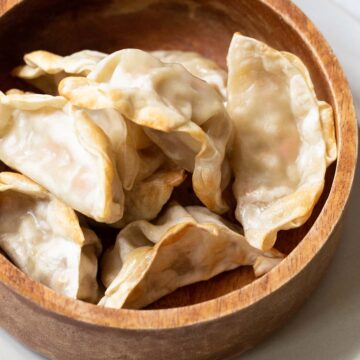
<point>328,326</point>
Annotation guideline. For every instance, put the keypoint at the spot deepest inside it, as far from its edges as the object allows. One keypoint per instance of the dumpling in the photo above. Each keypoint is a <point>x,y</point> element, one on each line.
<point>44,69</point>
<point>326,112</point>
<point>44,62</point>
<point>59,147</point>
<point>42,236</point>
<point>147,175</point>
<point>328,130</point>
<point>186,245</point>
<point>197,65</point>
<point>148,196</point>
<point>123,144</point>
<point>281,147</point>
<point>181,114</point>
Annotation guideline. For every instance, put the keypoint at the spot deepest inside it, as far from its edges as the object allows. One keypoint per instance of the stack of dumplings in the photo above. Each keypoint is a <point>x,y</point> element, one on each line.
<point>109,139</point>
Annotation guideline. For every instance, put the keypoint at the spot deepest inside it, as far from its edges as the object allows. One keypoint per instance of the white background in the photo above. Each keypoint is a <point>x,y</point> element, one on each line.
<point>328,325</point>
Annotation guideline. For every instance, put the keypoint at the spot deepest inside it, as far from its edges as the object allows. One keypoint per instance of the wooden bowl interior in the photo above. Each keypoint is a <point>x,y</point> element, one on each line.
<point>203,26</point>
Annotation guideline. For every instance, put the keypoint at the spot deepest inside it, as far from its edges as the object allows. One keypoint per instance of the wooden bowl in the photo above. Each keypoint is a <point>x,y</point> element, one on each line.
<point>232,312</point>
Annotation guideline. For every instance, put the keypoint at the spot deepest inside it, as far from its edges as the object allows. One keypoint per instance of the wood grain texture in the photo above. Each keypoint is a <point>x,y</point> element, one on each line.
<point>6,5</point>
<point>231,312</point>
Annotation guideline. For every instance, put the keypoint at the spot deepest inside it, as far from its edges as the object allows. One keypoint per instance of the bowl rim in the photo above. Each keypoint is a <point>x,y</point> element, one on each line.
<point>295,262</point>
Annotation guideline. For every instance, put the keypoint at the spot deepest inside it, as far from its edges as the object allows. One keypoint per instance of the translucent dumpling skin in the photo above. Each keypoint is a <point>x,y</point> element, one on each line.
<point>180,113</point>
<point>61,148</point>
<point>184,246</point>
<point>117,133</point>
<point>281,148</point>
<point>45,70</point>
<point>42,236</point>
<point>197,65</point>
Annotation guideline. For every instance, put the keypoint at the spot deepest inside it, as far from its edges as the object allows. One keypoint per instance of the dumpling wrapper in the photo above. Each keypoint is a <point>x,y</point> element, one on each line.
<point>127,141</point>
<point>147,176</point>
<point>120,133</point>
<point>326,112</point>
<point>197,65</point>
<point>182,114</point>
<point>148,196</point>
<point>133,150</point>
<point>328,130</point>
<point>14,91</point>
<point>280,154</point>
<point>45,70</point>
<point>42,236</point>
<point>186,245</point>
<point>59,147</point>
<point>116,127</point>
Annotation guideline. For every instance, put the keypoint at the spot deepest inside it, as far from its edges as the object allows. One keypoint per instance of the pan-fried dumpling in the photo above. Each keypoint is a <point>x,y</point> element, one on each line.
<point>197,65</point>
<point>186,245</point>
<point>44,69</point>
<point>183,115</point>
<point>61,148</point>
<point>279,155</point>
<point>148,196</point>
<point>42,236</point>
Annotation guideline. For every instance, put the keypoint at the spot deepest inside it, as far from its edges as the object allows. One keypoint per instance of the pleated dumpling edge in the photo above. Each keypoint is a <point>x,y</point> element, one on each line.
<point>280,152</point>
<point>58,146</point>
<point>43,237</point>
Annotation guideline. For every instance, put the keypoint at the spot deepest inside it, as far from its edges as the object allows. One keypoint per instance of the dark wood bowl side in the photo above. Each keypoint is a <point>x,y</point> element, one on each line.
<point>60,328</point>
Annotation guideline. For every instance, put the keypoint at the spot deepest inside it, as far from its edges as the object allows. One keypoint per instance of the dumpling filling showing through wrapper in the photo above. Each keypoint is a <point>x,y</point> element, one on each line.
<point>61,148</point>
<point>180,113</point>
<point>283,142</point>
<point>43,237</point>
